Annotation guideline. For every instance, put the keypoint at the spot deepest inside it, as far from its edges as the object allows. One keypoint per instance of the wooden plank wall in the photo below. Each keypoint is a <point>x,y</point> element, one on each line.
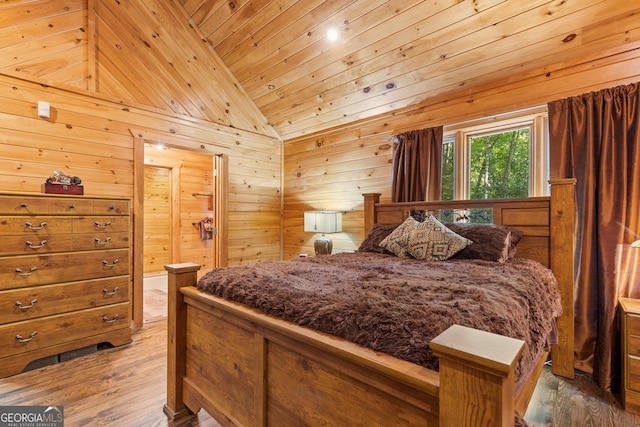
<point>157,217</point>
<point>92,138</point>
<point>47,40</point>
<point>176,239</point>
<point>149,76</point>
<point>330,170</point>
<point>141,51</point>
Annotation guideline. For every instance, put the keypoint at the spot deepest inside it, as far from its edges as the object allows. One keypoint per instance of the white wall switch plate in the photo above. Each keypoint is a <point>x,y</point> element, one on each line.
<point>44,109</point>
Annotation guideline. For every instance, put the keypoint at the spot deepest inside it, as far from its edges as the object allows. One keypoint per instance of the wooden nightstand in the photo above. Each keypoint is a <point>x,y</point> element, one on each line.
<point>630,354</point>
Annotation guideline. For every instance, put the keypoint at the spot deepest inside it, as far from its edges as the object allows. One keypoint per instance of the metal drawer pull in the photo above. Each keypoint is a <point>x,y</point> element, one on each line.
<point>24,307</point>
<point>98,242</point>
<point>106,224</point>
<point>20,339</point>
<point>106,319</point>
<point>30,244</point>
<point>112,207</point>
<point>106,263</point>
<point>30,226</point>
<point>115,291</point>
<point>72,206</point>
<point>21,273</point>
<point>23,205</point>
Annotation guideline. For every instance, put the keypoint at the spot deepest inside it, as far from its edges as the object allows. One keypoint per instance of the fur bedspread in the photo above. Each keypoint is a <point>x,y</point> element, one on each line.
<point>397,305</point>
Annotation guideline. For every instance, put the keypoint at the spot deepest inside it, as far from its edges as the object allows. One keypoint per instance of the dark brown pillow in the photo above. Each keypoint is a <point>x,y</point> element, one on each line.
<point>377,233</point>
<point>491,242</point>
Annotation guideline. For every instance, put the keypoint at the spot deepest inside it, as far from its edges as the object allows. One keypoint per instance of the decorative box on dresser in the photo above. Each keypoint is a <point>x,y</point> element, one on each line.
<point>64,276</point>
<point>630,316</point>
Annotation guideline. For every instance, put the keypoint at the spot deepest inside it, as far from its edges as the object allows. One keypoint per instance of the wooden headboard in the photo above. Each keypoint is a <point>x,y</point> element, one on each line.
<point>548,227</point>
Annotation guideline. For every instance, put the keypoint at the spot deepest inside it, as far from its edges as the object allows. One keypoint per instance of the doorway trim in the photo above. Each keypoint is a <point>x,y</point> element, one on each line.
<point>220,217</point>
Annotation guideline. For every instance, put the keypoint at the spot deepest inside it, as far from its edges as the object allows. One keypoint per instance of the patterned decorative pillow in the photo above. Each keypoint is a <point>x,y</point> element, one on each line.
<point>396,241</point>
<point>428,240</point>
<point>378,232</point>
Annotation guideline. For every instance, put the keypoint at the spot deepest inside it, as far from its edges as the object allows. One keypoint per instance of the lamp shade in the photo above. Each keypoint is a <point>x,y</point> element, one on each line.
<point>325,222</point>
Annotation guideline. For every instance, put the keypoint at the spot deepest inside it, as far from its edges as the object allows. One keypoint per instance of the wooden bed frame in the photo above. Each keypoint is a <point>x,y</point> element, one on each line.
<point>247,368</point>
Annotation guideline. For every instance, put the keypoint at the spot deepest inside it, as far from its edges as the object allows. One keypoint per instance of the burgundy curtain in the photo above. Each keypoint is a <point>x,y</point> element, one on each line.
<point>417,165</point>
<point>596,138</point>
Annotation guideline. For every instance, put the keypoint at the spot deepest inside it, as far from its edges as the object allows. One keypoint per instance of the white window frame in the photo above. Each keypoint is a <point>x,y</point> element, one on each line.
<point>534,118</point>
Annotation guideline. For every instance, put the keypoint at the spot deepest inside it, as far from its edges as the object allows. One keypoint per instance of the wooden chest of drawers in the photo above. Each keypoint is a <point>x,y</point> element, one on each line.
<point>64,275</point>
<point>630,354</point>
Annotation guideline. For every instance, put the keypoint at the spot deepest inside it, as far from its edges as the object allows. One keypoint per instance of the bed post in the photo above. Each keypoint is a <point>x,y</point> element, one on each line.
<point>180,275</point>
<point>561,261</point>
<point>477,378</point>
<point>370,200</point>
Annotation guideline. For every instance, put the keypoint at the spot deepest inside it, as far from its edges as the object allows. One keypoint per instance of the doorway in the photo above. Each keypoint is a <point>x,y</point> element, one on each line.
<point>176,196</point>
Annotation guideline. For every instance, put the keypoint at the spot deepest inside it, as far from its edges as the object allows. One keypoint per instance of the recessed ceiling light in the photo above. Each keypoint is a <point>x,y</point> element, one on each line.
<point>332,34</point>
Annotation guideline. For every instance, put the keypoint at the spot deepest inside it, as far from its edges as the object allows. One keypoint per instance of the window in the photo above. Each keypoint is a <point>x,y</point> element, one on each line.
<point>503,157</point>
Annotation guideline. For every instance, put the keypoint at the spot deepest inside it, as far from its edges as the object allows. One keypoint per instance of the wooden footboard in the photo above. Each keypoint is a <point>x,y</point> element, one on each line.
<point>247,368</point>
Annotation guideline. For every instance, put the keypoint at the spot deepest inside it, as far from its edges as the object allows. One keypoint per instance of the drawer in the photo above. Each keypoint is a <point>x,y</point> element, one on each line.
<point>23,245</point>
<point>632,401</point>
<point>111,207</point>
<point>100,240</point>
<point>33,270</point>
<point>633,324</point>
<point>29,303</point>
<point>633,345</point>
<point>30,205</point>
<point>633,373</point>
<point>19,205</point>
<point>34,226</point>
<point>53,330</point>
<point>101,224</point>
<point>64,206</point>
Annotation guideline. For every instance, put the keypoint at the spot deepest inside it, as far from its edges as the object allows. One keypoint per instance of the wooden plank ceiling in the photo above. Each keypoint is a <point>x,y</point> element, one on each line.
<point>392,54</point>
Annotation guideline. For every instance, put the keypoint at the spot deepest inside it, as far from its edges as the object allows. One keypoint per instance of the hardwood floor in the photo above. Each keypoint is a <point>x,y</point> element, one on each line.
<point>125,387</point>
<point>561,402</point>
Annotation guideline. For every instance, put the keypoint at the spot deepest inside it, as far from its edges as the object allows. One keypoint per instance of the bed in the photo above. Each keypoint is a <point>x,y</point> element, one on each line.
<point>245,367</point>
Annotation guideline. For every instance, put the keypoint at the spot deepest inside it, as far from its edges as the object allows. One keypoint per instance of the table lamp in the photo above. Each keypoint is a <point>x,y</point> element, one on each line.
<point>325,222</point>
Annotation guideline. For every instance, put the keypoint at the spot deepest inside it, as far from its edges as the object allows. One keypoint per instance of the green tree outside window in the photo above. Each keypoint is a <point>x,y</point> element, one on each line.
<point>499,165</point>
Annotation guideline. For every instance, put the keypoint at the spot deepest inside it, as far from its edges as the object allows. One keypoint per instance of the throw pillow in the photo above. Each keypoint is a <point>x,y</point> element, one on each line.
<point>428,240</point>
<point>432,241</point>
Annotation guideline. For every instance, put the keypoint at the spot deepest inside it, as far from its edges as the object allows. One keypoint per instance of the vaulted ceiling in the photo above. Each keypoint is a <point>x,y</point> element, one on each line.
<point>391,54</point>
<point>266,67</point>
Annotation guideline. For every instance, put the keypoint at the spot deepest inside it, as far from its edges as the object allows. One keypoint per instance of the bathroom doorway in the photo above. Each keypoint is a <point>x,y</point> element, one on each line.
<point>180,221</point>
